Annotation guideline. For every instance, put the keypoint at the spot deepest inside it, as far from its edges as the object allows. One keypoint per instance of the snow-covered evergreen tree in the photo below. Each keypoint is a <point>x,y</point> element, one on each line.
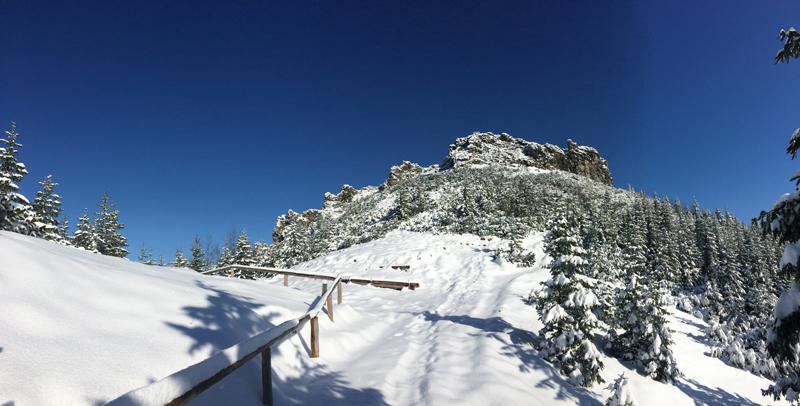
<point>783,221</point>
<point>244,253</point>
<point>198,261</point>
<point>226,258</point>
<point>63,230</point>
<point>107,229</point>
<point>16,213</point>
<point>621,394</point>
<point>262,254</point>
<point>145,256</point>
<point>85,236</point>
<point>646,338</point>
<point>791,45</point>
<point>47,209</point>
<point>180,260</point>
<point>565,307</point>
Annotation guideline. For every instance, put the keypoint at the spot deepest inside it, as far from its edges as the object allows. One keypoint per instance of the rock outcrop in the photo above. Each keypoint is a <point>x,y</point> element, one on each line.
<point>504,150</point>
<point>399,173</point>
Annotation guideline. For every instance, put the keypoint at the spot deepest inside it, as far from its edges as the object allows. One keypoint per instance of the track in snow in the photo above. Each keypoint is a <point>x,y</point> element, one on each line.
<point>462,338</point>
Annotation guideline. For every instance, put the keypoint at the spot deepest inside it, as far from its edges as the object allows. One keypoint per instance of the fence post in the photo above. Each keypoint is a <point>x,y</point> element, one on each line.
<point>285,280</point>
<point>314,337</point>
<point>339,293</point>
<point>266,377</point>
<point>329,305</point>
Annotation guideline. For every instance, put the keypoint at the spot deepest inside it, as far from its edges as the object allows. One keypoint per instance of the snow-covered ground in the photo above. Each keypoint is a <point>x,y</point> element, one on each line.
<point>77,328</point>
<point>81,328</point>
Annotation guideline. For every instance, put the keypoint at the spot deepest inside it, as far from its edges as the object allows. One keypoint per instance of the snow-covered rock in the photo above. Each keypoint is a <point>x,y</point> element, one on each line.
<point>505,150</point>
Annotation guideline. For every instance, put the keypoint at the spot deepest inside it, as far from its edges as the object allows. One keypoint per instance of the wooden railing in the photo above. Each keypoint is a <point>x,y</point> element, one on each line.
<point>381,283</point>
<point>186,384</point>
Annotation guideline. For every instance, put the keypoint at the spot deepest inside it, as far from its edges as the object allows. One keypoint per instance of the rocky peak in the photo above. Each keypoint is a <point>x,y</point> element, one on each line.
<point>481,149</point>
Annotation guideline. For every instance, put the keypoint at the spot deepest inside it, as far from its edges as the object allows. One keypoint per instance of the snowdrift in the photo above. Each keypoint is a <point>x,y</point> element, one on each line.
<point>82,328</point>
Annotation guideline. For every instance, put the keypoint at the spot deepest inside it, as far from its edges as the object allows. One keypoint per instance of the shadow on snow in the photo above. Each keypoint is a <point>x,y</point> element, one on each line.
<point>317,386</point>
<point>226,320</point>
<point>704,395</point>
<point>518,343</point>
<point>229,319</point>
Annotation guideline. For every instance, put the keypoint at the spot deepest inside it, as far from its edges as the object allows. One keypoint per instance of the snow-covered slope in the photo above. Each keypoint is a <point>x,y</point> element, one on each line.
<point>78,328</point>
<point>463,338</point>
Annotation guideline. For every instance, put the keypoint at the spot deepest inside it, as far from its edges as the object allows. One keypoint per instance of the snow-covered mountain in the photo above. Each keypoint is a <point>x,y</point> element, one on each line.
<point>504,235</point>
<point>488,184</point>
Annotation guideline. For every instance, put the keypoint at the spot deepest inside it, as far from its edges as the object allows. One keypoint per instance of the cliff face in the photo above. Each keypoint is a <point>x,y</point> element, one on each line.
<point>505,150</point>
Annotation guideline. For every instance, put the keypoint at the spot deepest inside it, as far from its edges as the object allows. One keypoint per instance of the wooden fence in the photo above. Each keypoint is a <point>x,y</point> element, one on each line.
<point>234,270</point>
<point>186,384</point>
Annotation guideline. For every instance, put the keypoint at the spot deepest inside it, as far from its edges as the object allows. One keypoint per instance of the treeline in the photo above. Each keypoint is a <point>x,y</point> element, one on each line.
<point>625,268</point>
<point>43,218</point>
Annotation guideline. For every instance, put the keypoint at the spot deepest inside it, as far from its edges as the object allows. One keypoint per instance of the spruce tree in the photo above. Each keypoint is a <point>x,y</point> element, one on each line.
<point>63,230</point>
<point>791,45</point>
<point>16,213</point>
<point>145,255</point>
<point>262,254</point>
<point>646,339</point>
<point>783,222</point>
<point>226,258</point>
<point>621,393</point>
<point>107,229</point>
<point>85,236</point>
<point>565,307</point>
<point>198,261</point>
<point>47,209</point>
<point>180,260</point>
<point>243,254</point>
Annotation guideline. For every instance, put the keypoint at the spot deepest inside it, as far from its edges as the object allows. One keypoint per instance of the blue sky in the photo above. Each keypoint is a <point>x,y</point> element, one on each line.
<point>201,116</point>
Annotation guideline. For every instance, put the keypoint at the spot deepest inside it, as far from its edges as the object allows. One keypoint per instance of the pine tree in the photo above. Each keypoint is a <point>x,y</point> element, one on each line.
<point>791,45</point>
<point>688,271</point>
<point>226,258</point>
<point>107,228</point>
<point>646,338</point>
<point>145,255</point>
<point>621,393</point>
<point>63,230</point>
<point>198,261</point>
<point>565,307</point>
<point>85,236</point>
<point>783,222</point>
<point>243,254</point>
<point>47,209</point>
<point>16,213</point>
<point>180,260</point>
<point>262,255</point>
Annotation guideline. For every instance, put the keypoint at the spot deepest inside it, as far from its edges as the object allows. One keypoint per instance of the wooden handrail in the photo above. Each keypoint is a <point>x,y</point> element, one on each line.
<point>186,384</point>
<point>381,283</point>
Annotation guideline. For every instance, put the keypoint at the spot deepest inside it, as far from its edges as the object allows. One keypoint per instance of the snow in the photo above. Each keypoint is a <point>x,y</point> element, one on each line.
<point>555,313</point>
<point>78,327</point>
<point>788,303</point>
<point>791,253</point>
<point>91,328</point>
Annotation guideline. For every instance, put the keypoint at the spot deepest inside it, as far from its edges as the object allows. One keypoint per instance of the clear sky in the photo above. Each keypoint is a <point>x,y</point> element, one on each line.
<point>201,116</point>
